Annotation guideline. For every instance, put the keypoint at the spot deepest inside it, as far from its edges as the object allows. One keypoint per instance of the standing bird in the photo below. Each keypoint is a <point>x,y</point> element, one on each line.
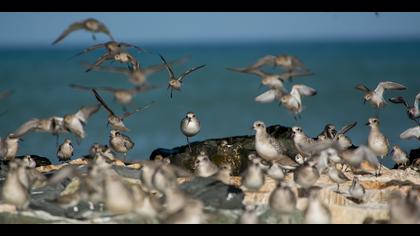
<point>14,190</point>
<point>316,212</point>
<point>356,190</point>
<point>306,175</point>
<point>267,147</point>
<point>283,199</point>
<point>253,177</point>
<point>377,142</point>
<point>114,120</point>
<point>337,176</point>
<point>65,151</point>
<point>275,171</point>
<point>413,112</point>
<point>9,147</point>
<point>120,143</point>
<point>204,167</point>
<point>92,25</point>
<point>375,97</point>
<point>399,156</point>
<point>190,126</point>
<point>293,101</point>
<point>176,82</point>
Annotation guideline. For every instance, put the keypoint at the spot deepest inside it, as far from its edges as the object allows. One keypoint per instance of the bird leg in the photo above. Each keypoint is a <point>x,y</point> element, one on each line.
<point>188,141</point>
<point>171,92</point>
<point>338,188</point>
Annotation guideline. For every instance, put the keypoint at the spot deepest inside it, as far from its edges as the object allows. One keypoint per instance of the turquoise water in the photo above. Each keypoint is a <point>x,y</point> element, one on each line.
<point>222,100</point>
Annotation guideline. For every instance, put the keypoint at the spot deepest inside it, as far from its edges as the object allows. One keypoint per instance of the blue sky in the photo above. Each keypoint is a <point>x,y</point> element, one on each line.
<point>43,28</point>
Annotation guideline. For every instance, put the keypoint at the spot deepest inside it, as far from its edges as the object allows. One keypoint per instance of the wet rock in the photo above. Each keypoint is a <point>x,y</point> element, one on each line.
<point>230,150</point>
<point>214,193</point>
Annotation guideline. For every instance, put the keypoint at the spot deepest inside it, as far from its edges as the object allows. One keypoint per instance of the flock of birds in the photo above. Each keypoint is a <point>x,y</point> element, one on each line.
<point>159,194</point>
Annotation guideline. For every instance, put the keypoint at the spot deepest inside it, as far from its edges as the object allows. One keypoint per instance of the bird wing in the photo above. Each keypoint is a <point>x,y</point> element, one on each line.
<point>269,59</point>
<point>73,27</point>
<point>89,49</point>
<point>81,87</point>
<point>298,63</point>
<point>101,100</point>
<point>266,97</point>
<point>127,114</point>
<point>289,74</point>
<point>302,90</point>
<point>156,68</point>
<point>121,70</point>
<point>388,85</point>
<point>183,75</point>
<point>411,133</point>
<point>346,128</point>
<point>277,145</point>
<point>87,111</point>
<point>27,127</point>
<point>365,153</point>
<point>249,70</point>
<point>105,30</point>
<point>417,101</point>
<point>100,60</point>
<point>362,88</point>
<point>127,45</point>
<point>341,175</point>
<point>398,100</point>
<point>144,88</point>
<point>168,67</point>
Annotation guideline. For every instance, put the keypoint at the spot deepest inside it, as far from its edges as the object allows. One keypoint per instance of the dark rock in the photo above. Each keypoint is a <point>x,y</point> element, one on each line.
<point>214,193</point>
<point>39,160</point>
<point>230,150</point>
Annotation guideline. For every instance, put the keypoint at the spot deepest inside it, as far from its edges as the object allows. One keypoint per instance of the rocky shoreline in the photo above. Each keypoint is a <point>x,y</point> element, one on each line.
<point>217,207</point>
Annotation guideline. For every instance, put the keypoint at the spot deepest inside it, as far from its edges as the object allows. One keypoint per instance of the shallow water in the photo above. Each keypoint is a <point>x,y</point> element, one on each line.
<point>222,100</point>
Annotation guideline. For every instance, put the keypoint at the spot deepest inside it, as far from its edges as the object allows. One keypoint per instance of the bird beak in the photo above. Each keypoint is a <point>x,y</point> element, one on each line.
<point>367,124</point>
<point>189,120</point>
<point>21,139</point>
<point>364,100</point>
<point>251,128</point>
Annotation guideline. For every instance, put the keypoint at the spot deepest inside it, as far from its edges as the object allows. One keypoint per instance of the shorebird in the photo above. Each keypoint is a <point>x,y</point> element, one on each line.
<point>282,199</point>
<point>224,173</point>
<point>413,112</point>
<point>404,209</point>
<point>14,191</point>
<point>356,190</point>
<point>293,100</point>
<point>53,125</point>
<point>337,177</point>
<point>267,147</point>
<point>101,150</point>
<point>287,62</point>
<point>377,142</point>
<point>9,147</point>
<point>399,156</point>
<point>190,126</point>
<point>75,122</point>
<point>114,120</point>
<point>204,167</point>
<point>92,25</point>
<point>316,212</point>
<point>375,97</point>
<point>175,83</point>
<point>329,132</point>
<point>122,57</point>
<point>253,178</point>
<point>249,216</point>
<point>137,76</point>
<point>112,47</point>
<point>120,143</point>
<point>354,157</point>
<point>123,96</point>
<point>275,171</point>
<point>65,151</point>
<point>191,213</point>
<point>306,175</point>
<point>413,132</point>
